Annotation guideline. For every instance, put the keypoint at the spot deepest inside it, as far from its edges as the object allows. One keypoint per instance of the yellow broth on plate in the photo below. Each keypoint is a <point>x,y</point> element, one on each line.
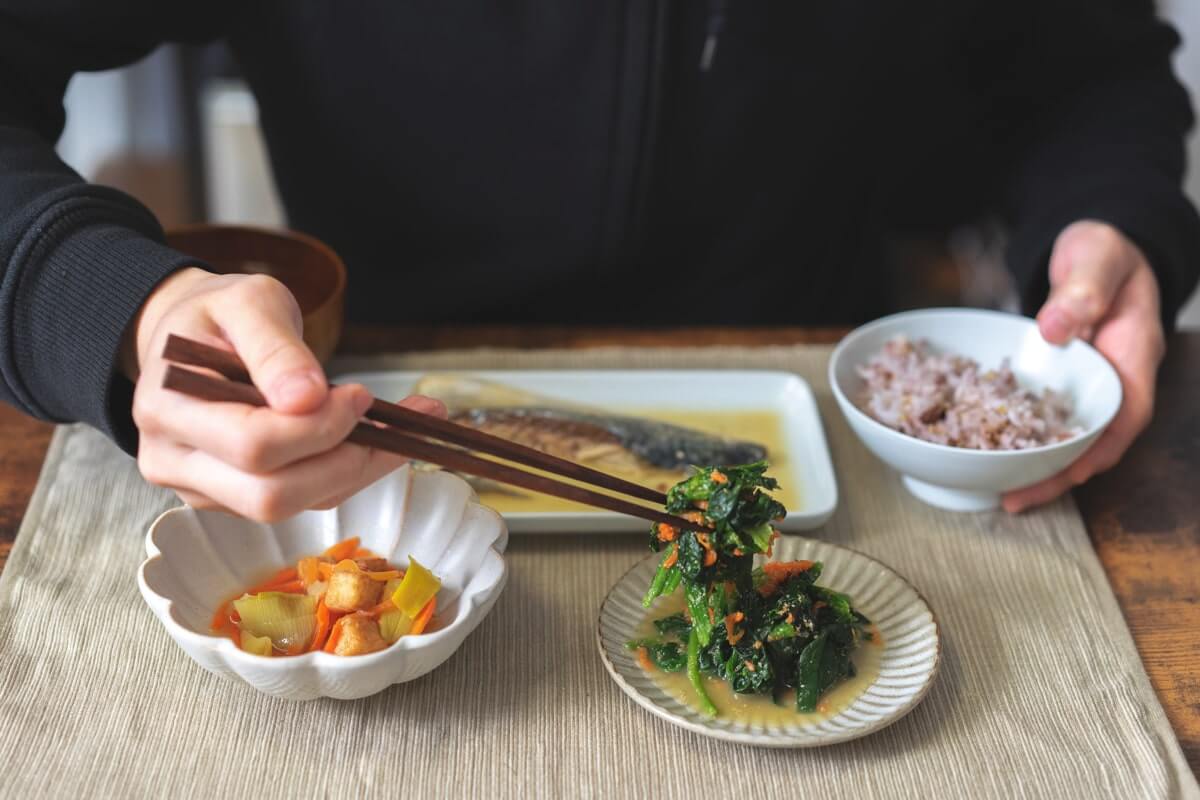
<point>756,425</point>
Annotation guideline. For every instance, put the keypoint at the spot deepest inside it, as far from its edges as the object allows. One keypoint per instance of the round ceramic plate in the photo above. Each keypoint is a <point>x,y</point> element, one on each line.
<point>909,660</point>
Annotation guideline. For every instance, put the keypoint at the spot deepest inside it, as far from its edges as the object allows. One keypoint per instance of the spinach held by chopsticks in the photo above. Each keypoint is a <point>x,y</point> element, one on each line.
<point>762,630</point>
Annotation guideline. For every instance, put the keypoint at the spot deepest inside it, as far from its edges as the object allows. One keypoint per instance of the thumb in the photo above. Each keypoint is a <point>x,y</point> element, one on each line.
<point>1089,264</point>
<point>262,322</point>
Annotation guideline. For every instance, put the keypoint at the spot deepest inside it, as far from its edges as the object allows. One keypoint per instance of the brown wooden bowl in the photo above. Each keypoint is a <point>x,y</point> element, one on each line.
<point>308,267</point>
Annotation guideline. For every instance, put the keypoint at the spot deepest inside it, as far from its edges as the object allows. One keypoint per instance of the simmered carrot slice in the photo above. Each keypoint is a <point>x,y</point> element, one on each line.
<point>334,634</point>
<point>385,606</point>
<point>343,549</point>
<point>778,572</point>
<point>673,557</point>
<point>423,618</point>
<point>272,584</point>
<point>323,623</point>
<point>223,624</point>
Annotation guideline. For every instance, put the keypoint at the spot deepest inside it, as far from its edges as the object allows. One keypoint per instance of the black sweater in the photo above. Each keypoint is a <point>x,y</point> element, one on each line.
<point>569,162</point>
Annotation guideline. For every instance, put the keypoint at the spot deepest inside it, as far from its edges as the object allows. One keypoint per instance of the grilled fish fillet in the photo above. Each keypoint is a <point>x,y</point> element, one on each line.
<point>606,441</point>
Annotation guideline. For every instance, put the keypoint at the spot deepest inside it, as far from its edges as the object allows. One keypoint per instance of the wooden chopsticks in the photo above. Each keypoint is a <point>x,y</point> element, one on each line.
<point>409,433</point>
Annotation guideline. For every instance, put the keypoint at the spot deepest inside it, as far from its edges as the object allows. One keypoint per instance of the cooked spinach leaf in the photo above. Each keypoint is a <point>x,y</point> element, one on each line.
<point>763,630</point>
<point>839,602</point>
<point>702,617</point>
<point>749,670</point>
<point>808,674</point>
<point>667,656</point>
<point>674,625</point>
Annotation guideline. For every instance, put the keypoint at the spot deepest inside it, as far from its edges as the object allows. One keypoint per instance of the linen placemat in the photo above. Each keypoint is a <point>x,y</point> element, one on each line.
<point>1041,691</point>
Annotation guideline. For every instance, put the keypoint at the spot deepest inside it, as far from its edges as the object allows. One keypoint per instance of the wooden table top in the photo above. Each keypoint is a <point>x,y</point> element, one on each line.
<point>1143,516</point>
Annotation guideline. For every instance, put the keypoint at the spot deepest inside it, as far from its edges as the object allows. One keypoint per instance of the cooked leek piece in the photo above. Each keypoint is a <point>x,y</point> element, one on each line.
<point>389,588</point>
<point>258,645</point>
<point>288,620</point>
<point>418,586</point>
<point>394,624</point>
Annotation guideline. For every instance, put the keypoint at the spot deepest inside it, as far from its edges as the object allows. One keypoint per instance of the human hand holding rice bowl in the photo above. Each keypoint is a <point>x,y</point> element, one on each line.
<point>968,404</point>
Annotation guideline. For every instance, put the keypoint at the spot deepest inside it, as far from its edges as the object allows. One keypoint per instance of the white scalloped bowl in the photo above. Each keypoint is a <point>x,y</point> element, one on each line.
<point>199,559</point>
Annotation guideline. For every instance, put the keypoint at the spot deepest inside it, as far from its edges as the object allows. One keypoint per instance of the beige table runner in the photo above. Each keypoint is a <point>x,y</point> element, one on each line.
<point>1041,692</point>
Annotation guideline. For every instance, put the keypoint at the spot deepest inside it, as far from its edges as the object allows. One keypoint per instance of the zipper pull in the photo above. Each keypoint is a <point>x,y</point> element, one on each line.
<point>716,21</point>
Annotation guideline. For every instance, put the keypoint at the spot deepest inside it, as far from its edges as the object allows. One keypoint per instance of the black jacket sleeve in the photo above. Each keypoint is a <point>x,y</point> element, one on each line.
<point>76,261</point>
<point>1102,137</point>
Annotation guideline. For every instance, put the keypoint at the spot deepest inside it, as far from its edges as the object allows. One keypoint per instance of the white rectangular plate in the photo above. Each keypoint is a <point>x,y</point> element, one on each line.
<point>788,395</point>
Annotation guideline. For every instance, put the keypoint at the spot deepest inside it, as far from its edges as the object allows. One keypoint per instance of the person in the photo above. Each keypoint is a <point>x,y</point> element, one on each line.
<point>600,162</point>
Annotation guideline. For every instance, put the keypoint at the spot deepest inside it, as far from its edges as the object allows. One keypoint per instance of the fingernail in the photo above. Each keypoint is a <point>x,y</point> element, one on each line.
<point>1056,325</point>
<point>427,405</point>
<point>1080,301</point>
<point>362,401</point>
<point>296,386</point>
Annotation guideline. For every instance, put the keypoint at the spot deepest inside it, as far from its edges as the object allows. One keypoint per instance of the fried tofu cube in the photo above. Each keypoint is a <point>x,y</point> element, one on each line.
<point>351,591</point>
<point>360,634</point>
<point>372,564</point>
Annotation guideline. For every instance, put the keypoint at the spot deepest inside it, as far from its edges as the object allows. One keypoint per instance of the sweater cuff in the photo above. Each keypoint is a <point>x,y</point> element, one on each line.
<point>71,315</point>
<point>1158,218</point>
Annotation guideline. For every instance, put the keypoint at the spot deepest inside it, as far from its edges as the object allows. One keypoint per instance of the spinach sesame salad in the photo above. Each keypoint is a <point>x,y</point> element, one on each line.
<point>763,630</point>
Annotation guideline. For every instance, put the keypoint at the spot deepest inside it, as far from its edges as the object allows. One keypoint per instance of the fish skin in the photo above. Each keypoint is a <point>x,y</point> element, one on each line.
<point>660,444</point>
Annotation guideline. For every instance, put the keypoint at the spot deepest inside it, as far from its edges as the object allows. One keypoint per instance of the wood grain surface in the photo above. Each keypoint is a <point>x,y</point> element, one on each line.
<point>1143,516</point>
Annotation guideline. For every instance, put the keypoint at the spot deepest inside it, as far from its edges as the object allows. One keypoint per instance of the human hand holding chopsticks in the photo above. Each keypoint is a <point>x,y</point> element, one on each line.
<point>265,463</point>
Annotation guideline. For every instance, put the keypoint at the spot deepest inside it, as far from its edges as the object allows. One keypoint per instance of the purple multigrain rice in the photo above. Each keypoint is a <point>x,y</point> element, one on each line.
<point>947,399</point>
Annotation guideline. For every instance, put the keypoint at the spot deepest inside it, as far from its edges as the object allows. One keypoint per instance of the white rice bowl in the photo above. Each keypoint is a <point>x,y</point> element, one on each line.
<point>964,478</point>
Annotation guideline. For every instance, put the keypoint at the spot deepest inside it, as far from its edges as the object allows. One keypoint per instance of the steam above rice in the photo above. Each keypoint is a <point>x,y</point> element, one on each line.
<point>948,399</point>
